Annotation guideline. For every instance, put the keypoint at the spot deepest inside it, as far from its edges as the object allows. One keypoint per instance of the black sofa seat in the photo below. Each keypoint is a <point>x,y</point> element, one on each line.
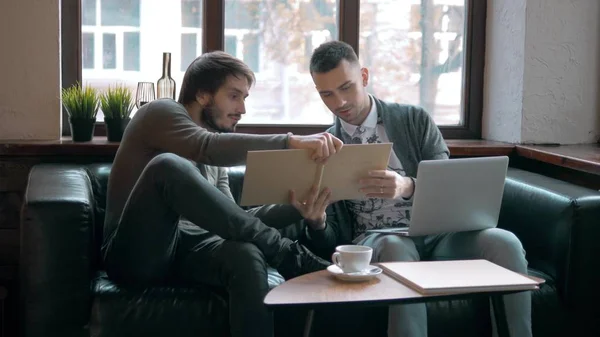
<point>118,311</point>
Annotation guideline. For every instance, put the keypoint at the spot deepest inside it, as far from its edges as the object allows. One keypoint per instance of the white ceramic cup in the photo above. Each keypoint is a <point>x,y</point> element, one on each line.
<point>352,258</point>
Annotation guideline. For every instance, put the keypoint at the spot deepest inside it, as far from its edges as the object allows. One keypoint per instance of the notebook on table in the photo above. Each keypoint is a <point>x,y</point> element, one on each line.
<point>457,276</point>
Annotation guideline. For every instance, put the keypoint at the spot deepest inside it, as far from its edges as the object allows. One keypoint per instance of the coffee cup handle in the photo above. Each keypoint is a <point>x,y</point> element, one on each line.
<point>335,258</point>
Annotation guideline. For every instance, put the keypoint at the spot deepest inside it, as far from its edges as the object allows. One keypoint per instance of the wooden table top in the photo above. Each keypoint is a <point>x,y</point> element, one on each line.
<point>322,288</point>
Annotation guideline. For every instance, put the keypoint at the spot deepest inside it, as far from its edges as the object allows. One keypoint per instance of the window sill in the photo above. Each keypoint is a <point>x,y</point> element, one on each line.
<point>99,146</point>
<point>583,158</point>
<point>448,131</point>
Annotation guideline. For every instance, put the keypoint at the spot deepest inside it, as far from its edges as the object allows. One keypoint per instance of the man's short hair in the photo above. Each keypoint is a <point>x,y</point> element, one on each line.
<point>328,56</point>
<point>209,71</point>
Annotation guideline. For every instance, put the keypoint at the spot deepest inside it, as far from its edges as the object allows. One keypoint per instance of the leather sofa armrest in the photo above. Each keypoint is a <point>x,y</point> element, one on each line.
<point>558,224</point>
<point>56,251</point>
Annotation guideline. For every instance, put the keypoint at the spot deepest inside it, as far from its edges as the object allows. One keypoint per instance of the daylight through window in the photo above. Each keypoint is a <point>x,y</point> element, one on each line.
<point>413,49</point>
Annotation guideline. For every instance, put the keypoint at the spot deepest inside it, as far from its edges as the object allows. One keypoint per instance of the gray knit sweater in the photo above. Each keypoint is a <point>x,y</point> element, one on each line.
<point>415,137</point>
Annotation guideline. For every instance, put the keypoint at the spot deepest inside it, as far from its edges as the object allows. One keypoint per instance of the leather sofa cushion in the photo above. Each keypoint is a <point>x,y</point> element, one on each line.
<point>119,311</point>
<point>160,311</point>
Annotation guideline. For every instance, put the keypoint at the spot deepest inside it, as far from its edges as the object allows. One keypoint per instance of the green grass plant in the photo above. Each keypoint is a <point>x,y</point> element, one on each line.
<point>80,102</point>
<point>117,102</point>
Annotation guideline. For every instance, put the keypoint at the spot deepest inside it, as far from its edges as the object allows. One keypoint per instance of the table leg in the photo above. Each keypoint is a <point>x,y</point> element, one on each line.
<point>500,315</point>
<point>308,324</point>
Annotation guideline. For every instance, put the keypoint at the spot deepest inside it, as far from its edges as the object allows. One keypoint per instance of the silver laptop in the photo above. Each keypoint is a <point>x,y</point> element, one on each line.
<point>455,195</point>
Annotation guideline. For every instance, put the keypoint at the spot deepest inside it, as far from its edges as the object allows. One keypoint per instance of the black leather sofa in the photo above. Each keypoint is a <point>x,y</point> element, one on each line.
<point>64,291</point>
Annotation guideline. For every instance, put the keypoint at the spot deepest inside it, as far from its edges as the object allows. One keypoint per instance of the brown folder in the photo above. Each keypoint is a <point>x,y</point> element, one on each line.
<point>270,175</point>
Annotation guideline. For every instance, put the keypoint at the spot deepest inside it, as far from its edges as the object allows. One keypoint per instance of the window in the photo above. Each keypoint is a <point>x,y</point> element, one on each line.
<point>414,51</point>
<point>424,52</point>
<point>191,34</point>
<point>116,33</point>
<point>272,37</point>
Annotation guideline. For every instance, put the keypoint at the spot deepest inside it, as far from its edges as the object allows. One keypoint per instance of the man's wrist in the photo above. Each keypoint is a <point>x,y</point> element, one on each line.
<point>288,140</point>
<point>316,225</point>
<point>411,188</point>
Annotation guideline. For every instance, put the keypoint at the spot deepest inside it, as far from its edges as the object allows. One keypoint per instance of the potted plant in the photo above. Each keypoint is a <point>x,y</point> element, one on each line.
<point>82,106</point>
<point>116,104</point>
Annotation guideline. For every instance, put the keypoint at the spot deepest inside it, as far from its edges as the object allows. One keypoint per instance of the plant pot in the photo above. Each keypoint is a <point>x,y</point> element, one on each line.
<point>82,129</point>
<point>115,127</point>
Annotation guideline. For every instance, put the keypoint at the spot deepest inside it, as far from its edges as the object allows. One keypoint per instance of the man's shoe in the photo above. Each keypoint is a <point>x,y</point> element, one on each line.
<point>299,261</point>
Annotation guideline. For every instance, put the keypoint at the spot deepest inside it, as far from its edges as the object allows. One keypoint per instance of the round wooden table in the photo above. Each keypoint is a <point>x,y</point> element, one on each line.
<point>320,289</point>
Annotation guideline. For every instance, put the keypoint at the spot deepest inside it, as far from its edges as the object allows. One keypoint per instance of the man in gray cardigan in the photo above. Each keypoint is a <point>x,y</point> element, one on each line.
<point>158,197</point>
<point>363,118</point>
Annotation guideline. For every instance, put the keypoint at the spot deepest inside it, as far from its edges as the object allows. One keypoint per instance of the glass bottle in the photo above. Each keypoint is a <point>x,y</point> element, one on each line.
<point>165,86</point>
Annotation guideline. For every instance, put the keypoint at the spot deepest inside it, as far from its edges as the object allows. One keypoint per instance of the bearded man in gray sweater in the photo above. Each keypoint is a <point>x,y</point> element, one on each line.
<point>364,118</point>
<point>169,215</point>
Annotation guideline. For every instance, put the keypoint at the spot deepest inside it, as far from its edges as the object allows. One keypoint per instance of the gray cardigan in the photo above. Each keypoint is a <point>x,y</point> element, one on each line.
<point>415,137</point>
<point>413,132</point>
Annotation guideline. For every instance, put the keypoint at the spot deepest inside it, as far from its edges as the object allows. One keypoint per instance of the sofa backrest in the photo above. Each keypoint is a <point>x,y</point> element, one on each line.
<point>63,216</point>
<point>558,224</point>
<point>549,216</point>
<point>99,174</point>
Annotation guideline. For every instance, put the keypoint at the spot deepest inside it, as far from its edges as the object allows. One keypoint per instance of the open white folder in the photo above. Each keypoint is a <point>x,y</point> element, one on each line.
<point>270,175</point>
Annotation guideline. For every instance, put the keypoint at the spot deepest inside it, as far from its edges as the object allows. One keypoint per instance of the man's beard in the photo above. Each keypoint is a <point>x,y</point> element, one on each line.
<point>208,118</point>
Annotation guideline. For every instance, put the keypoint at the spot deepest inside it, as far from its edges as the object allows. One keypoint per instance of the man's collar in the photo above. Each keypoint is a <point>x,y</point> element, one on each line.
<point>370,121</point>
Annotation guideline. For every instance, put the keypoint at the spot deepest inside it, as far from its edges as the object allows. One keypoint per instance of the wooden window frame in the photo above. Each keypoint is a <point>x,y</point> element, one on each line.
<point>213,24</point>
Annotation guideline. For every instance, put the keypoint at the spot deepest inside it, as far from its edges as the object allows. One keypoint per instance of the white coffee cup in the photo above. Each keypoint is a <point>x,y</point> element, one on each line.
<point>352,258</point>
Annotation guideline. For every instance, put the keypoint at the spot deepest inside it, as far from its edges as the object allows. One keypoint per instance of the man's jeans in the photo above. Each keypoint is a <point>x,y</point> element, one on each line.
<point>145,248</point>
<point>496,245</point>
<point>240,267</point>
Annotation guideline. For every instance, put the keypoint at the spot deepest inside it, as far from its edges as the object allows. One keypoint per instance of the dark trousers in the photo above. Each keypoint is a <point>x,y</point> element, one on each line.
<point>240,267</point>
<point>145,249</point>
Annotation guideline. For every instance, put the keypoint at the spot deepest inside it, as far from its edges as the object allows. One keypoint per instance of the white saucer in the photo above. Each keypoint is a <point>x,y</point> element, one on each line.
<point>370,273</point>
